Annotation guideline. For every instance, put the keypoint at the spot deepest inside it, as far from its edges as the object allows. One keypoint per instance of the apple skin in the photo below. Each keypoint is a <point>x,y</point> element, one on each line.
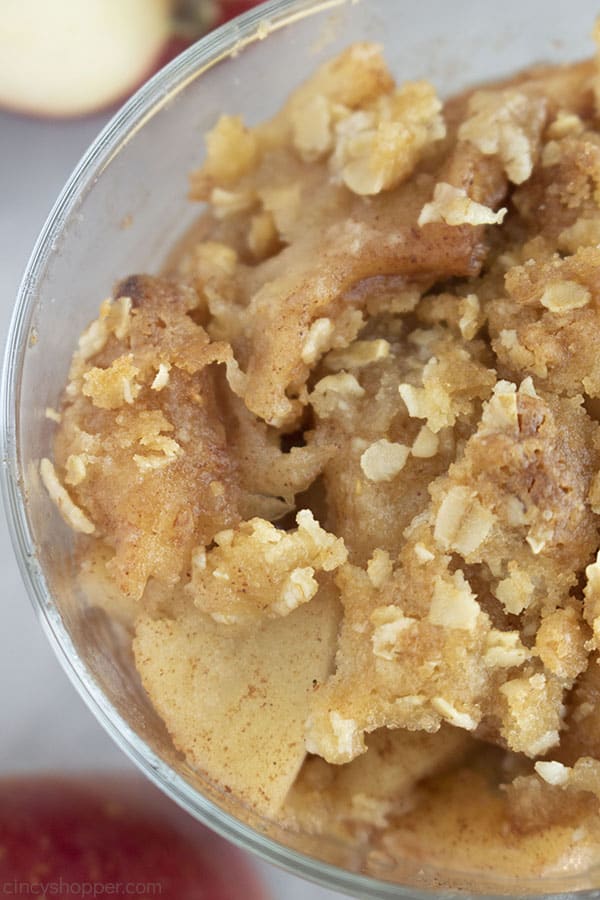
<point>93,835</point>
<point>229,9</point>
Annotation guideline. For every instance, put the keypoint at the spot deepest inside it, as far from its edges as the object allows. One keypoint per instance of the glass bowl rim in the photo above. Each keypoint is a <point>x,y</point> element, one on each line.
<point>205,53</point>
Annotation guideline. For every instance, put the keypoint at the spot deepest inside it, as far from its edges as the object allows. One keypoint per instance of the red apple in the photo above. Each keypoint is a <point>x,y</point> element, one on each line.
<point>63,58</point>
<point>67,57</point>
<point>228,9</point>
<point>100,836</point>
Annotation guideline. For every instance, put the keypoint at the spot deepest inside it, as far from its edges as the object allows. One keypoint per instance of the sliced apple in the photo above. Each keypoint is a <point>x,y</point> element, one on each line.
<point>236,699</point>
<point>70,57</point>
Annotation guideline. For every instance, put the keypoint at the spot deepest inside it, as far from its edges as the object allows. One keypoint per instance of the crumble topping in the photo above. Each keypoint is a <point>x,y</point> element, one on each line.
<point>338,467</point>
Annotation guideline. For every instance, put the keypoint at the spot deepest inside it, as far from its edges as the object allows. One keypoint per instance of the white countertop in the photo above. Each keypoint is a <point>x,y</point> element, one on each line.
<point>45,725</point>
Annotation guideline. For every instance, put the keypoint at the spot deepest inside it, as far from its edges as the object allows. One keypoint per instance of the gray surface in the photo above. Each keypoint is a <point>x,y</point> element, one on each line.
<point>45,725</point>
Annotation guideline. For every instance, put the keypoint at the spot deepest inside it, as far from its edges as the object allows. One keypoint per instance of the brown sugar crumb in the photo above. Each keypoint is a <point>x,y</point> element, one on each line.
<point>339,469</point>
<point>257,569</point>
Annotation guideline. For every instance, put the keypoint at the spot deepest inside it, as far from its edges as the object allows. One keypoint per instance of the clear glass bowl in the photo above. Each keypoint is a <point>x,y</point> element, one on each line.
<point>122,210</point>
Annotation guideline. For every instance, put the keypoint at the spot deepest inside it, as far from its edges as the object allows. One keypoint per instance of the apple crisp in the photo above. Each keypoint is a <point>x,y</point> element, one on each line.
<point>339,466</point>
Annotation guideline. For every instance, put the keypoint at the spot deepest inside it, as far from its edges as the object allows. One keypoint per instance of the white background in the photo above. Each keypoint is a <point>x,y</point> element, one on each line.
<point>44,725</point>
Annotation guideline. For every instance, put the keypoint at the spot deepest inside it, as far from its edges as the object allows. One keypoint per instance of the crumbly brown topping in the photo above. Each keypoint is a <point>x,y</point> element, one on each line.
<point>341,464</point>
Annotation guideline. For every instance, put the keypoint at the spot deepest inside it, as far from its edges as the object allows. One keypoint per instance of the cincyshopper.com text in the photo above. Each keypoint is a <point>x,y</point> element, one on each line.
<point>63,888</point>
